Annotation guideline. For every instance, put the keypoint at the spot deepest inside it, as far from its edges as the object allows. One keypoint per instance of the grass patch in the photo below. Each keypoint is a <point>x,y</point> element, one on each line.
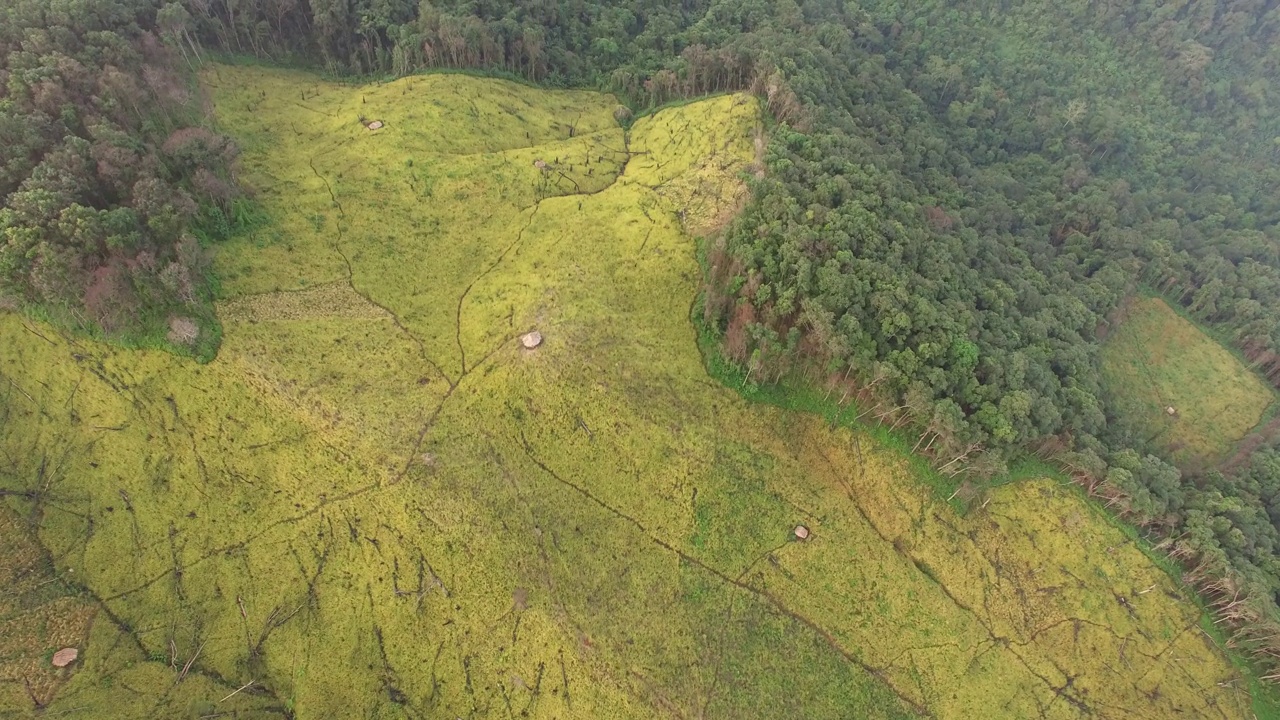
<point>1156,360</point>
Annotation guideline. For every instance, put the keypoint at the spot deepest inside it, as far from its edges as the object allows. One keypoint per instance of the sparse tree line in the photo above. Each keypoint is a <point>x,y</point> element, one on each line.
<point>958,198</point>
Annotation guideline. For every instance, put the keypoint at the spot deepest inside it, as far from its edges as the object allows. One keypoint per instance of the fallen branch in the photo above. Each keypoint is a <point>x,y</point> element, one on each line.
<point>233,692</point>
<point>186,668</point>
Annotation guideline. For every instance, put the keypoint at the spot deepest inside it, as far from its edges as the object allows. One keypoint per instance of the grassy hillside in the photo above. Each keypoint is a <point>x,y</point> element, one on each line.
<point>1156,360</point>
<point>375,500</point>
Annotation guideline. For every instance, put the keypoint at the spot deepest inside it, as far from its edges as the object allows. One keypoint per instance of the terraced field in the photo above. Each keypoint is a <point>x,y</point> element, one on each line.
<point>377,503</point>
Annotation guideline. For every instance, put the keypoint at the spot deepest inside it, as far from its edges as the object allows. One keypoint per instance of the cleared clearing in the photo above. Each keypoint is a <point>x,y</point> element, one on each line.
<point>376,502</point>
<point>1156,360</point>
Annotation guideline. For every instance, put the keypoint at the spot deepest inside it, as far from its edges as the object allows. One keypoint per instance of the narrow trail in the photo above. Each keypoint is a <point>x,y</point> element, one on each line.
<point>336,245</point>
<point>462,351</point>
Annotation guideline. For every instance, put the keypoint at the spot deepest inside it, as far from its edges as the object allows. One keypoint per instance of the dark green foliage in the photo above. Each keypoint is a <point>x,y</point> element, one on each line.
<point>976,186</point>
<point>1241,511</point>
<point>106,172</point>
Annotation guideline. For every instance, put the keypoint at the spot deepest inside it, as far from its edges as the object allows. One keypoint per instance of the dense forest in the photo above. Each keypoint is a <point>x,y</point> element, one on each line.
<point>957,201</point>
<point>108,177</point>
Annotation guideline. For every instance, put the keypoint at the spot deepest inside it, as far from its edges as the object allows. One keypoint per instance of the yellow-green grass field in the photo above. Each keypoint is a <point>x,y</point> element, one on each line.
<point>1156,360</point>
<point>375,503</point>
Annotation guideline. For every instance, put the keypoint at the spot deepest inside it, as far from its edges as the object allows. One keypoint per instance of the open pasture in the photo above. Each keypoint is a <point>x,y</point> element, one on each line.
<point>1179,386</point>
